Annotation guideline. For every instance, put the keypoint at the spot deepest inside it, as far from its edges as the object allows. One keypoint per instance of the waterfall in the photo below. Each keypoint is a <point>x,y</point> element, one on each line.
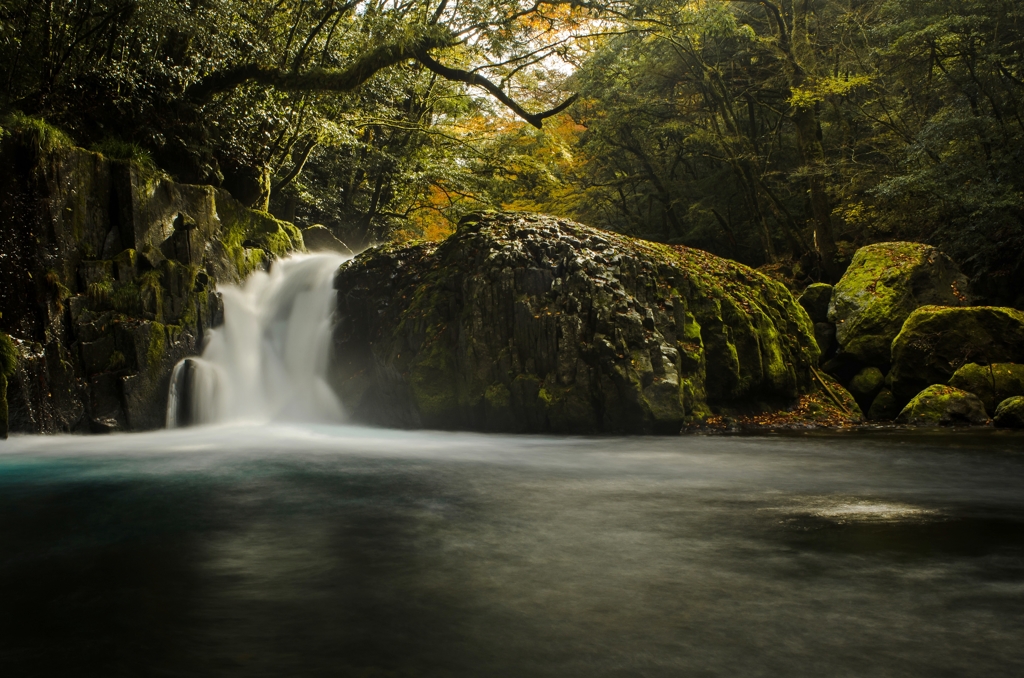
<point>268,361</point>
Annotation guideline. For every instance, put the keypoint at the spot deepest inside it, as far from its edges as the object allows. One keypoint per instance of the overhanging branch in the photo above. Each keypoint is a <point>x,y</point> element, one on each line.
<point>477,80</point>
<point>315,80</point>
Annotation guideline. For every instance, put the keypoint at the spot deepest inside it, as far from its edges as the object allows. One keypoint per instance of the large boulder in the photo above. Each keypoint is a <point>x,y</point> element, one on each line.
<point>940,405</point>
<point>992,383</point>
<point>1010,413</point>
<point>530,323</point>
<point>884,284</point>
<point>936,341</point>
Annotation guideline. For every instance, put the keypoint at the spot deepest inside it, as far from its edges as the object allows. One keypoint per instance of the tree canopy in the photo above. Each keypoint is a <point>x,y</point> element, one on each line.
<point>783,133</point>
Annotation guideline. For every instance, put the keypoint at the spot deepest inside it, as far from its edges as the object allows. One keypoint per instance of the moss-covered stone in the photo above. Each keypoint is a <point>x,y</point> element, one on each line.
<point>941,405</point>
<point>529,323</point>
<point>884,407</point>
<point>884,284</point>
<point>992,383</point>
<point>866,385</point>
<point>815,300</point>
<point>318,239</point>
<point>936,341</point>
<point>8,363</point>
<point>1010,413</point>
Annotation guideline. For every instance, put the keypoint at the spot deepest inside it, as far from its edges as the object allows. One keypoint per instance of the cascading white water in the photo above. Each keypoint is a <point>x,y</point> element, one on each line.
<point>268,361</point>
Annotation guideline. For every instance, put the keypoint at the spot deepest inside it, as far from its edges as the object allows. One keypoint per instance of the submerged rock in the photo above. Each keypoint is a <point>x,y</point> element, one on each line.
<point>936,341</point>
<point>884,284</point>
<point>1010,413</point>
<point>530,323</point>
<point>940,405</point>
<point>992,383</point>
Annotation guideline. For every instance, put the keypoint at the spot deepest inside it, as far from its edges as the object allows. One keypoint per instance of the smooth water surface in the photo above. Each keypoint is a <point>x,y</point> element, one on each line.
<point>344,551</point>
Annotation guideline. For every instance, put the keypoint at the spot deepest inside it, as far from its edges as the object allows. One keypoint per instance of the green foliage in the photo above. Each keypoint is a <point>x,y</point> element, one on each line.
<point>46,136</point>
<point>118,149</point>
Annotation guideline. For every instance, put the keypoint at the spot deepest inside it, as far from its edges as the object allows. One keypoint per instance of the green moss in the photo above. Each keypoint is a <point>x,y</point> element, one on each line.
<point>498,396</point>
<point>157,347</point>
<point>117,361</point>
<point>935,341</point>
<point>883,285</point>
<point>8,355</point>
<point>1010,413</point>
<point>100,293</point>
<point>940,405</point>
<point>992,383</point>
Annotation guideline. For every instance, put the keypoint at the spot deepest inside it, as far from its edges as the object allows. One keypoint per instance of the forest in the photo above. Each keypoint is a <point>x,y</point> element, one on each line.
<point>783,134</point>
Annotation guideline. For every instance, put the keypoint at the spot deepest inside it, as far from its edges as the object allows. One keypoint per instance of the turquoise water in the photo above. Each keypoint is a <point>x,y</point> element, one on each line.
<point>344,551</point>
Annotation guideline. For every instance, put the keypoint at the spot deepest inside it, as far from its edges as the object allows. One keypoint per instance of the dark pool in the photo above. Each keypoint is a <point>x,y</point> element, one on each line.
<point>357,552</point>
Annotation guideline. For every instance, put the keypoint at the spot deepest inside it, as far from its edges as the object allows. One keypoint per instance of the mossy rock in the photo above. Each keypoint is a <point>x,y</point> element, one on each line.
<point>941,405</point>
<point>992,383</point>
<point>8,363</point>
<point>884,407</point>
<point>522,322</point>
<point>884,284</point>
<point>936,341</point>
<point>815,300</point>
<point>866,385</point>
<point>318,239</point>
<point>1010,413</point>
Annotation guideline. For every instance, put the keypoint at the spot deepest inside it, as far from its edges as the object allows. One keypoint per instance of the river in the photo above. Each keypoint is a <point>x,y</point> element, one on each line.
<point>309,550</point>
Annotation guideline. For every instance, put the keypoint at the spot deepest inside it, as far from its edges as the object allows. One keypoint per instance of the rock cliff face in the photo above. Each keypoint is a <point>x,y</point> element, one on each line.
<point>106,280</point>
<point>529,323</point>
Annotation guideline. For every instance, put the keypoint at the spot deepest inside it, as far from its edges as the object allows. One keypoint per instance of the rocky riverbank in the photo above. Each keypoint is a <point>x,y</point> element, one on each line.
<point>107,278</point>
<point>517,322</point>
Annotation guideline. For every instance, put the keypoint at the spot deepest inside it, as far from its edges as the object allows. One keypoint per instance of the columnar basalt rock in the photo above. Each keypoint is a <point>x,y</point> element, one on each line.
<point>531,323</point>
<point>107,279</point>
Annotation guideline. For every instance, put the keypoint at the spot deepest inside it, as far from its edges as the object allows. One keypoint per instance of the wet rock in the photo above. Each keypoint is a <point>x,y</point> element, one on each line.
<point>992,383</point>
<point>941,405</point>
<point>884,284</point>
<point>92,250</point>
<point>8,364</point>
<point>884,407</point>
<point>936,341</point>
<point>530,323</point>
<point>318,239</point>
<point>815,300</point>
<point>1010,413</point>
